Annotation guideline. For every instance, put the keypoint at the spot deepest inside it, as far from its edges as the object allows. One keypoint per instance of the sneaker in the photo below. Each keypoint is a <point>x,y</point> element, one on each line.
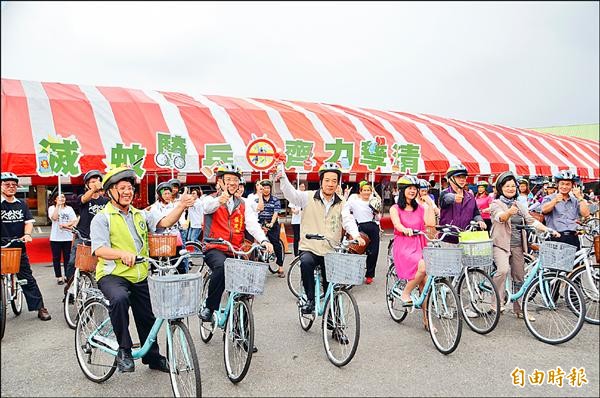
<point>339,336</point>
<point>308,308</point>
<point>206,314</point>
<point>530,317</point>
<point>125,360</point>
<point>60,281</point>
<point>469,313</point>
<point>368,280</point>
<point>43,314</point>
<point>161,365</point>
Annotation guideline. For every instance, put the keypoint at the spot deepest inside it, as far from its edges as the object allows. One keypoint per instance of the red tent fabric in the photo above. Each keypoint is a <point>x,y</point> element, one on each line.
<point>101,117</point>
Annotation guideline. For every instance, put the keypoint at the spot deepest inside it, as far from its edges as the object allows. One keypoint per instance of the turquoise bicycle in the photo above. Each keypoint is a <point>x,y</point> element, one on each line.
<point>173,298</point>
<point>243,280</point>
<point>443,306</point>
<point>339,312</point>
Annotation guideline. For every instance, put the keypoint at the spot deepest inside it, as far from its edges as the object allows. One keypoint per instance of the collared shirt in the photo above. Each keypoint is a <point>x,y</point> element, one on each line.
<point>272,206</point>
<point>360,209</point>
<point>100,232</point>
<point>564,215</point>
<point>211,204</point>
<point>157,212</point>
<point>15,215</point>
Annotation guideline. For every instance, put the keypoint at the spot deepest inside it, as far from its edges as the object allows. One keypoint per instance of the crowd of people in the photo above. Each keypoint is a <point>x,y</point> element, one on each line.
<point>119,232</point>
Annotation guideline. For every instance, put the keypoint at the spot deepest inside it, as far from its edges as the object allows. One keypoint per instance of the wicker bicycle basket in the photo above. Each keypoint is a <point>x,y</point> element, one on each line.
<point>597,247</point>
<point>443,261</point>
<point>345,268</point>
<point>478,254</point>
<point>162,245</point>
<point>11,260</point>
<point>84,259</point>
<point>175,296</point>
<point>244,276</point>
<point>557,256</point>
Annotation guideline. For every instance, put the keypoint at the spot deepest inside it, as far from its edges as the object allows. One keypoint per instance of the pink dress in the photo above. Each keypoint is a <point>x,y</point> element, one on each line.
<point>484,202</point>
<point>408,250</point>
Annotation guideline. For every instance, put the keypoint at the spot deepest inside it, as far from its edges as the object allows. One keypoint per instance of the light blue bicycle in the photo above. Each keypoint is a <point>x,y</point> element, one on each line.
<point>173,298</point>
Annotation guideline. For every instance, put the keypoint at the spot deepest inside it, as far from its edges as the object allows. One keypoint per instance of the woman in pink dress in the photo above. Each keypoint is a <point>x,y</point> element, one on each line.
<point>484,200</point>
<point>407,215</point>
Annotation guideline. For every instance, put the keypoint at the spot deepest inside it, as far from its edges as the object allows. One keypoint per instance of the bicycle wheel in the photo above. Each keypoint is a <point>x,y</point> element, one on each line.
<point>239,340</point>
<point>207,329</point>
<point>17,302</point>
<point>479,301</point>
<point>184,370</point>
<point>96,364</point>
<point>557,319</point>
<point>198,259</point>
<point>394,306</point>
<point>589,289</point>
<point>161,159</point>
<point>445,325</point>
<point>74,301</point>
<point>179,162</point>
<point>2,307</point>
<point>341,327</point>
<point>294,278</point>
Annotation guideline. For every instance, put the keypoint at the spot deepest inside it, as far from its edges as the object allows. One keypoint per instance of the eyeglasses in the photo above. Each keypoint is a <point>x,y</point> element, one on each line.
<point>125,189</point>
<point>9,184</point>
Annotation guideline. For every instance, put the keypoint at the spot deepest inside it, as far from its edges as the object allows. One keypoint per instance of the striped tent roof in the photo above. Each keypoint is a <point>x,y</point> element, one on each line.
<point>101,117</point>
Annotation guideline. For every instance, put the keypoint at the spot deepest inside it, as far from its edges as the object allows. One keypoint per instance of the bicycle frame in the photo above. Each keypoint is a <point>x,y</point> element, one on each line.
<point>582,260</point>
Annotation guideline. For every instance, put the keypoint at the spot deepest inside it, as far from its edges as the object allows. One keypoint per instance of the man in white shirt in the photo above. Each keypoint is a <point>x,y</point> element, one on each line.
<point>296,218</point>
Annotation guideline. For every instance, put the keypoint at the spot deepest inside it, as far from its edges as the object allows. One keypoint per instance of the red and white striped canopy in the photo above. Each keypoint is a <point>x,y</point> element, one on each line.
<point>101,117</point>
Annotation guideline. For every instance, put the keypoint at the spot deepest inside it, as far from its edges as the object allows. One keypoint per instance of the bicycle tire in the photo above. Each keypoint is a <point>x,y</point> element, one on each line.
<point>343,325</point>
<point>396,310</point>
<point>294,278</point>
<point>184,370</point>
<point>17,302</point>
<point>590,295</point>
<point>238,340</point>
<point>179,162</point>
<point>207,329</point>
<point>568,313</point>
<point>93,314</point>
<point>481,299</point>
<point>71,309</point>
<point>2,307</point>
<point>161,159</point>
<point>442,307</point>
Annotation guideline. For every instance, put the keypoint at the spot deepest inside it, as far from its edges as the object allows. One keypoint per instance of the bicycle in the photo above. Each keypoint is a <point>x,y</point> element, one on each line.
<point>339,311</point>
<point>173,297</point>
<point>443,314</point>
<point>83,278</point>
<point>10,285</point>
<point>557,301</point>
<point>243,280</point>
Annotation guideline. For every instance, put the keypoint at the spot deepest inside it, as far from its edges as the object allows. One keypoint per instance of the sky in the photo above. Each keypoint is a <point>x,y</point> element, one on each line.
<point>520,64</point>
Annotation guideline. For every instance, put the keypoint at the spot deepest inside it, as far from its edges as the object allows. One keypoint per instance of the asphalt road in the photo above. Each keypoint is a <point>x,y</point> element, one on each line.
<point>393,359</point>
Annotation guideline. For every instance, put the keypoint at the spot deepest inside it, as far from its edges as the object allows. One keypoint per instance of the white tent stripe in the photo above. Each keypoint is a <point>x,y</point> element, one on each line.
<point>275,118</point>
<point>429,136</point>
<point>228,130</point>
<point>502,138</point>
<point>177,126</point>
<point>482,135</point>
<point>484,164</point>
<point>399,138</point>
<point>108,129</point>
<point>40,112</point>
<point>313,118</point>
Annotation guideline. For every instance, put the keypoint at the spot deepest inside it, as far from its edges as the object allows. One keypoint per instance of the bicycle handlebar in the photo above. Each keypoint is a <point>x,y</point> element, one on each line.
<point>11,241</point>
<point>344,244</point>
<point>77,232</point>
<point>220,241</point>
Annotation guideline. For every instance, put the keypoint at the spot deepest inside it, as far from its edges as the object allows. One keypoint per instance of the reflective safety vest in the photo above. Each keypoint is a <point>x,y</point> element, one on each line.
<point>230,227</point>
<point>121,239</point>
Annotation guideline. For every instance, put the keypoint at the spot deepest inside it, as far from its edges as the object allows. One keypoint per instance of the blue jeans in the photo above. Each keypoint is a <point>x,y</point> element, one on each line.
<point>193,234</point>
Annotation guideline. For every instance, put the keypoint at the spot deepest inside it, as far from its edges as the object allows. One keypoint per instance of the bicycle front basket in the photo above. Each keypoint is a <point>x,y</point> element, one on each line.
<point>345,268</point>
<point>244,276</point>
<point>84,259</point>
<point>162,245</point>
<point>175,296</point>
<point>11,260</point>
<point>557,255</point>
<point>477,254</point>
<point>443,261</point>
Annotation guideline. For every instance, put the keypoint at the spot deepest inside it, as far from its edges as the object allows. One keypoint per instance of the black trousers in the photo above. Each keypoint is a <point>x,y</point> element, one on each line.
<point>60,249</point>
<point>215,259</point>
<point>296,228</point>
<point>31,290</point>
<point>273,236</point>
<point>372,230</point>
<point>121,294</point>
<point>571,239</point>
<point>308,263</point>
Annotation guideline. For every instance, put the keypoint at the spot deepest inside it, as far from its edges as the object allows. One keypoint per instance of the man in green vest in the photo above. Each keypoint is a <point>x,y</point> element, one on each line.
<point>119,233</point>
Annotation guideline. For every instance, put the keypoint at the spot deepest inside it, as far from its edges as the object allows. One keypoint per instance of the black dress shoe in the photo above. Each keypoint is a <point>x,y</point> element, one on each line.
<point>340,336</point>
<point>162,364</point>
<point>308,308</point>
<point>125,360</point>
<point>206,314</point>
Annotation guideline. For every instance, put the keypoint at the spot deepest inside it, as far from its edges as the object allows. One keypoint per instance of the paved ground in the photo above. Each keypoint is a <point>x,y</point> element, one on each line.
<point>392,359</point>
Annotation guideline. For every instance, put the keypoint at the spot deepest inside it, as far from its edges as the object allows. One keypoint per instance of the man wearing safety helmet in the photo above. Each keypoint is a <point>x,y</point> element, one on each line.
<point>457,203</point>
<point>563,209</point>
<point>323,213</point>
<point>90,203</point>
<point>226,216</point>
<point>119,232</point>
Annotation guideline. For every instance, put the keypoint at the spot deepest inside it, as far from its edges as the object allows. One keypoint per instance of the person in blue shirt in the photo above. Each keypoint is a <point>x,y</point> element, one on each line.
<point>268,219</point>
